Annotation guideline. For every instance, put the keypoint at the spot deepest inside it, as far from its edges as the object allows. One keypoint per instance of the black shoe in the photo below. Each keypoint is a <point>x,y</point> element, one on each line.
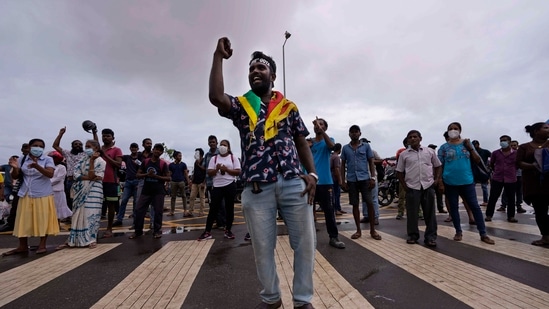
<point>411,241</point>
<point>365,220</point>
<point>117,223</point>
<point>263,305</point>
<point>521,210</point>
<point>6,228</point>
<point>442,211</point>
<point>336,243</point>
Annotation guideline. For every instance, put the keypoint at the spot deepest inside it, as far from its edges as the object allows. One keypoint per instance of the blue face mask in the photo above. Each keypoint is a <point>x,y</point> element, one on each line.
<point>89,151</point>
<point>36,151</point>
<point>504,144</point>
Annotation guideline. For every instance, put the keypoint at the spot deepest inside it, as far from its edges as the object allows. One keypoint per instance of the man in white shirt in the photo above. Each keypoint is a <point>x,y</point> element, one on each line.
<point>418,170</point>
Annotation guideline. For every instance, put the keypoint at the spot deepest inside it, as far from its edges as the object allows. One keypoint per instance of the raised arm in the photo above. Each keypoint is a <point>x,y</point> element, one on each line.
<point>217,88</point>
<point>57,140</point>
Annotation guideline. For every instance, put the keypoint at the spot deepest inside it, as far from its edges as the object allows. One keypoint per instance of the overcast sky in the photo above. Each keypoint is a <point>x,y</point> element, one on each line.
<point>141,68</point>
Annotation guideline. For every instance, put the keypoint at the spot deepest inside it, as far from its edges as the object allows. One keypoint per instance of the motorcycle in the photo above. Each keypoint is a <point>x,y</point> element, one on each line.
<point>388,188</point>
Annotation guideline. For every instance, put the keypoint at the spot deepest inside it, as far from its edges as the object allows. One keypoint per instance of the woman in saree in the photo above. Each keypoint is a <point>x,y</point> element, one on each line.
<point>88,199</point>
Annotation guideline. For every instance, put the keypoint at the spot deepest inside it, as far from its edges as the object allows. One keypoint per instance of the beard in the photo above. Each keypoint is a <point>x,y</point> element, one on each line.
<point>148,149</point>
<point>76,150</point>
<point>261,89</point>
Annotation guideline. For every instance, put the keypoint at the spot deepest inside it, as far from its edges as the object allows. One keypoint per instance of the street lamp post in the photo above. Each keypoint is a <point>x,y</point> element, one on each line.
<point>287,35</point>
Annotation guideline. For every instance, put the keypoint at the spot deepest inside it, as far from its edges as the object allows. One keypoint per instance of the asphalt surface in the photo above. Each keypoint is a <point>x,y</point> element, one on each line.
<point>382,272</point>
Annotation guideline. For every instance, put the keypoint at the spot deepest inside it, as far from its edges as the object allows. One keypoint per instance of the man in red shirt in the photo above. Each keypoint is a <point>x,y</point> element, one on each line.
<point>113,157</point>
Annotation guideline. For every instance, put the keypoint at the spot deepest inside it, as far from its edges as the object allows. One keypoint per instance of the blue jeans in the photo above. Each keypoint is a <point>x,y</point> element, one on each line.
<point>484,187</point>
<point>469,194</point>
<point>130,190</point>
<point>260,212</point>
<point>375,200</point>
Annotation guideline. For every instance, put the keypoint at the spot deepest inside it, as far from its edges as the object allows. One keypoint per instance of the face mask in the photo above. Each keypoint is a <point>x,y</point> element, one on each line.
<point>223,149</point>
<point>196,155</point>
<point>453,134</point>
<point>504,144</point>
<point>89,151</point>
<point>36,151</point>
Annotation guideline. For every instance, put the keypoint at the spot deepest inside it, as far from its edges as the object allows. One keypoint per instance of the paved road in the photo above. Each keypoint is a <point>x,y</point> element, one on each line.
<point>177,271</point>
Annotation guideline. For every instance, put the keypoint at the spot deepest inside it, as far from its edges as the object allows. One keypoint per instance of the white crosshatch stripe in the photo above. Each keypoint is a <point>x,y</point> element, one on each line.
<point>175,266</point>
<point>21,280</point>
<point>470,284</point>
<point>331,289</point>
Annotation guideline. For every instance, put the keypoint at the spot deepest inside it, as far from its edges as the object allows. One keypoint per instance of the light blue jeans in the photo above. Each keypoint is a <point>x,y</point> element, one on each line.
<point>260,212</point>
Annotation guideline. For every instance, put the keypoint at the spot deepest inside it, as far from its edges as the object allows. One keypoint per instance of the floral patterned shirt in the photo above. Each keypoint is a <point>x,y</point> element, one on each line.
<point>262,160</point>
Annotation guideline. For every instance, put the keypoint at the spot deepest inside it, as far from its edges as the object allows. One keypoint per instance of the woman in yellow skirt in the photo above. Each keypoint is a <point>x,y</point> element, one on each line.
<point>36,214</point>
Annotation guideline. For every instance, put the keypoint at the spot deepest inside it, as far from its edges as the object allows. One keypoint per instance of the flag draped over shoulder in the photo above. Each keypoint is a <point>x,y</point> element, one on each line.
<point>279,108</point>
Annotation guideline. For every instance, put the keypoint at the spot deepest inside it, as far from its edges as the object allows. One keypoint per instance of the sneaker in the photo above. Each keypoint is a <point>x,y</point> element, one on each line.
<point>204,236</point>
<point>336,243</point>
<point>117,223</point>
<point>521,210</point>
<point>229,234</point>
<point>247,237</point>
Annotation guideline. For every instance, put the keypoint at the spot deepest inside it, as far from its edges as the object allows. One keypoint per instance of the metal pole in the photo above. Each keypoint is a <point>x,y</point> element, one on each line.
<point>287,35</point>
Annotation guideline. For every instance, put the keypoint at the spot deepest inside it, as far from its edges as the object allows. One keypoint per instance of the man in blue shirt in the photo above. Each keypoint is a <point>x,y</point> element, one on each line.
<point>321,148</point>
<point>357,160</point>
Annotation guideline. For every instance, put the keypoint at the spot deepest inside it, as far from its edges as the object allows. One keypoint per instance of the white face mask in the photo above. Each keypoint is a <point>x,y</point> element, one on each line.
<point>223,149</point>
<point>196,155</point>
<point>453,134</point>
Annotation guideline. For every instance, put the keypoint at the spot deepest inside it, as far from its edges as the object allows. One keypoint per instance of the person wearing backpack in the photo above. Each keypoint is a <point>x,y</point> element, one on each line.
<point>155,173</point>
<point>535,183</point>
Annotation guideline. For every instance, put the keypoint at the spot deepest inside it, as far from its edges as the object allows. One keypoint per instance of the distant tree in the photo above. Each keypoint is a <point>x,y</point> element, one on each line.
<point>168,151</point>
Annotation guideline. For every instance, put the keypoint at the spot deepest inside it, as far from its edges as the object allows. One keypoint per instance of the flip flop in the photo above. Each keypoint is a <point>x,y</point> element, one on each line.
<point>356,235</point>
<point>13,252</point>
<point>63,246</point>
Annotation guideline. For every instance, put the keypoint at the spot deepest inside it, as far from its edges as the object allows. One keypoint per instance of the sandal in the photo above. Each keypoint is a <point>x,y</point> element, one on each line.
<point>356,235</point>
<point>93,245</point>
<point>63,246</point>
<point>41,251</point>
<point>13,252</point>
<point>449,219</point>
<point>458,237</point>
<point>107,235</point>
<point>375,236</point>
<point>540,242</point>
<point>134,236</point>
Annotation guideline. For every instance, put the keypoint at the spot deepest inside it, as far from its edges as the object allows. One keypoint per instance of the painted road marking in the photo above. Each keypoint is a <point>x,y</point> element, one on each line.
<point>175,266</point>
<point>472,285</point>
<point>21,280</point>
<point>331,289</point>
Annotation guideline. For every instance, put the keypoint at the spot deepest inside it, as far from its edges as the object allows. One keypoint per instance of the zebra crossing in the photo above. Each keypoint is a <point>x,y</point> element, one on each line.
<point>180,272</point>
